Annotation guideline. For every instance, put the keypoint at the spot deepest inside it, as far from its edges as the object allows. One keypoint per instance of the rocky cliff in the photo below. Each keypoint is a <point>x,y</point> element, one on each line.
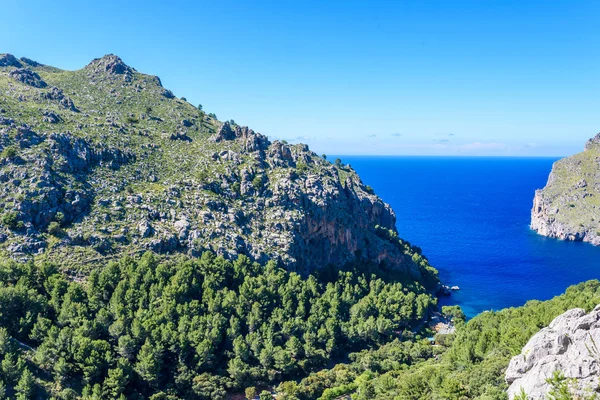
<point>568,207</point>
<point>104,161</point>
<point>569,345</point>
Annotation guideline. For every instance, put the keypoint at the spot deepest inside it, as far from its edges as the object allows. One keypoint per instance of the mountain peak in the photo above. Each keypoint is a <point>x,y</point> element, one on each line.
<point>111,64</point>
<point>593,142</point>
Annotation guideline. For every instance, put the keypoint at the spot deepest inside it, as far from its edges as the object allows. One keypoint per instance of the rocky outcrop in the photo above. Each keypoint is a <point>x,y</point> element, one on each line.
<point>51,117</point>
<point>31,62</point>
<point>567,207</point>
<point>57,95</point>
<point>110,64</point>
<point>78,155</point>
<point>570,345</point>
<point>8,60</point>
<point>27,77</point>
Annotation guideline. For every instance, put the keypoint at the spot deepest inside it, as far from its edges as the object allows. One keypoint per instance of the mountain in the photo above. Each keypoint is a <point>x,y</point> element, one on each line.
<point>263,262</point>
<point>105,161</point>
<point>568,207</point>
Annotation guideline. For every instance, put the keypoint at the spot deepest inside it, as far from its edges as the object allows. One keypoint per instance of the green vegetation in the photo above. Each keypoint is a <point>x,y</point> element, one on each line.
<point>471,366</point>
<point>258,182</point>
<point>301,167</point>
<point>54,228</point>
<point>201,328</point>
<point>9,153</point>
<point>189,328</point>
<point>131,120</point>
<point>10,219</point>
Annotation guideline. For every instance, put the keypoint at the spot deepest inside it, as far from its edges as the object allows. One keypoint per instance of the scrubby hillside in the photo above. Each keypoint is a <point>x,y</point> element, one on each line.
<point>105,161</point>
<point>568,207</point>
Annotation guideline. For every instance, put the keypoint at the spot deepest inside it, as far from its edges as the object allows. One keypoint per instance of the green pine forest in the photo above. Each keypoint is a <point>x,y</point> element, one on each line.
<point>206,328</point>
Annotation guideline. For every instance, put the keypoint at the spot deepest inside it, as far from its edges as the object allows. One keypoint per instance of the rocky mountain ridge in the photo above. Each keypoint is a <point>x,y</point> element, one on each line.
<point>568,207</point>
<point>568,345</point>
<point>105,161</point>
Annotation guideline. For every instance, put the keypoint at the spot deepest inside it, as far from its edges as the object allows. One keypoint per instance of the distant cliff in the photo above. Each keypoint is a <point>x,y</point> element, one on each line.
<point>568,207</point>
<point>105,161</point>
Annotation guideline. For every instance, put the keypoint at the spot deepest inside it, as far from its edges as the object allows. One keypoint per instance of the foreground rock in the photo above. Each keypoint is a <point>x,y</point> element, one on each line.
<point>568,208</point>
<point>570,345</point>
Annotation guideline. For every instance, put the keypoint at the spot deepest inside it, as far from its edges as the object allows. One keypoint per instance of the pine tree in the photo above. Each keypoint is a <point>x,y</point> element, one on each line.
<point>149,362</point>
<point>25,388</point>
<point>115,383</point>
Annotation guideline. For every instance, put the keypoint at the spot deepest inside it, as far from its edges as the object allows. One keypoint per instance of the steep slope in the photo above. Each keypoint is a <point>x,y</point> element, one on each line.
<point>568,347</point>
<point>104,161</point>
<point>568,207</point>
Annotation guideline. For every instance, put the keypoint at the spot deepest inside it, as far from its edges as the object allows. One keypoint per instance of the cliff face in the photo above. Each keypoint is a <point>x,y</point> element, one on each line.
<point>568,207</point>
<point>570,345</point>
<point>105,161</point>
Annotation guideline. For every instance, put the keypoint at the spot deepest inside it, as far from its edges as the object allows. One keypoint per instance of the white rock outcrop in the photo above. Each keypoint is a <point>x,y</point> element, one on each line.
<point>570,344</point>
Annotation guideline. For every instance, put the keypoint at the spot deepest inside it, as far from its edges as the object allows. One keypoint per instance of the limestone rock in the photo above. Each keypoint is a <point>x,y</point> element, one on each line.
<point>27,77</point>
<point>111,64</point>
<point>51,117</point>
<point>570,344</point>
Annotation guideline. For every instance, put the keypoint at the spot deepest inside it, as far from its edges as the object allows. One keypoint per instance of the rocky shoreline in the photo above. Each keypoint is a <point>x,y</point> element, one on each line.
<point>568,207</point>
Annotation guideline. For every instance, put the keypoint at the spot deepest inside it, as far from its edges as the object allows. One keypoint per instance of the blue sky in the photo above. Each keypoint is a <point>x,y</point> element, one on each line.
<point>371,77</point>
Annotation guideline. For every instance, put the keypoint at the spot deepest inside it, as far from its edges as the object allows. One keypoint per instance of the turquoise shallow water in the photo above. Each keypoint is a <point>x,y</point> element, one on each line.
<point>471,218</point>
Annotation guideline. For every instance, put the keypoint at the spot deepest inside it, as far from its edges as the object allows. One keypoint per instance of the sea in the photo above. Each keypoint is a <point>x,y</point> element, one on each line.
<point>471,217</point>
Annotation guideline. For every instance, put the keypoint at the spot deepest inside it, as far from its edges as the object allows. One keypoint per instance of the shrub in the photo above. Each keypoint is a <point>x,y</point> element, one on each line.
<point>59,217</point>
<point>258,182</point>
<point>301,167</point>
<point>54,228</point>
<point>265,395</point>
<point>132,120</point>
<point>369,189</point>
<point>10,219</point>
<point>455,312</point>
<point>338,162</point>
<point>236,187</point>
<point>324,156</point>
<point>9,153</point>
<point>251,392</point>
<point>200,107</point>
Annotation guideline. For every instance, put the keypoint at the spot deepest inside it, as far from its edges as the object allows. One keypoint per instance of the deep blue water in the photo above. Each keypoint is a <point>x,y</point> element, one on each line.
<point>471,217</point>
